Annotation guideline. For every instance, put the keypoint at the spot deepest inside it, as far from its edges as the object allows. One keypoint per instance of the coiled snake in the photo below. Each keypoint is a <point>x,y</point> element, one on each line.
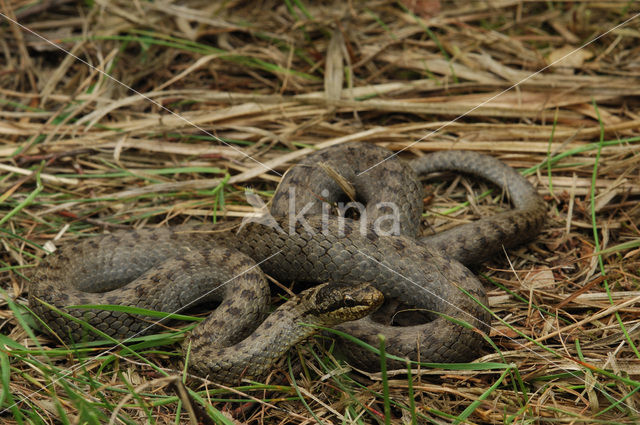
<point>167,269</point>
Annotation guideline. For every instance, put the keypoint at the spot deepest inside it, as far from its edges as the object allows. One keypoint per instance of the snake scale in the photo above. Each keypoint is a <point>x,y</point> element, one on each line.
<point>170,269</point>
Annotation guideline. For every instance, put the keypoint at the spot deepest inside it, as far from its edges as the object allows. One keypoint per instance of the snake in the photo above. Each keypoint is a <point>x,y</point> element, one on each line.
<point>355,263</point>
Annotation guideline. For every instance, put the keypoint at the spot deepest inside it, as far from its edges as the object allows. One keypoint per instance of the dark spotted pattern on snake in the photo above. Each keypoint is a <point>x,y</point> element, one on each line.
<point>166,269</point>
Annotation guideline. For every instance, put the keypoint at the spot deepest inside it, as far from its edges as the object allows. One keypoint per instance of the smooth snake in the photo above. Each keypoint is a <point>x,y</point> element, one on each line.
<point>166,269</point>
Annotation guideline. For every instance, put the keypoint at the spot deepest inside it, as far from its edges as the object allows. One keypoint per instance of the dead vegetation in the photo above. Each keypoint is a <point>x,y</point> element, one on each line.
<point>120,114</point>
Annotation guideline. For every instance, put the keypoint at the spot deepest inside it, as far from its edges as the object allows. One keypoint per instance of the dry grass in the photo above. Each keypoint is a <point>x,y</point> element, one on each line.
<point>225,87</point>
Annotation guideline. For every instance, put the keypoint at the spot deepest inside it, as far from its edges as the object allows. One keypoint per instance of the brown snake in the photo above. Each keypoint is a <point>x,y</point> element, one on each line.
<point>167,269</point>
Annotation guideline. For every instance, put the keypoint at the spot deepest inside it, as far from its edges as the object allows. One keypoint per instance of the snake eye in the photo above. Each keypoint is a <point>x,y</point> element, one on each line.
<point>349,301</point>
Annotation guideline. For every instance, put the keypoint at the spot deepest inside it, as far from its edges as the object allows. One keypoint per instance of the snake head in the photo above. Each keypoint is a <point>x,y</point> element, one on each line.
<point>337,302</point>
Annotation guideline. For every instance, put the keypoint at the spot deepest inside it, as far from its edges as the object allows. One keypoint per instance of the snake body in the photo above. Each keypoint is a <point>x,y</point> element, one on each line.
<point>324,305</point>
<point>166,269</point>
